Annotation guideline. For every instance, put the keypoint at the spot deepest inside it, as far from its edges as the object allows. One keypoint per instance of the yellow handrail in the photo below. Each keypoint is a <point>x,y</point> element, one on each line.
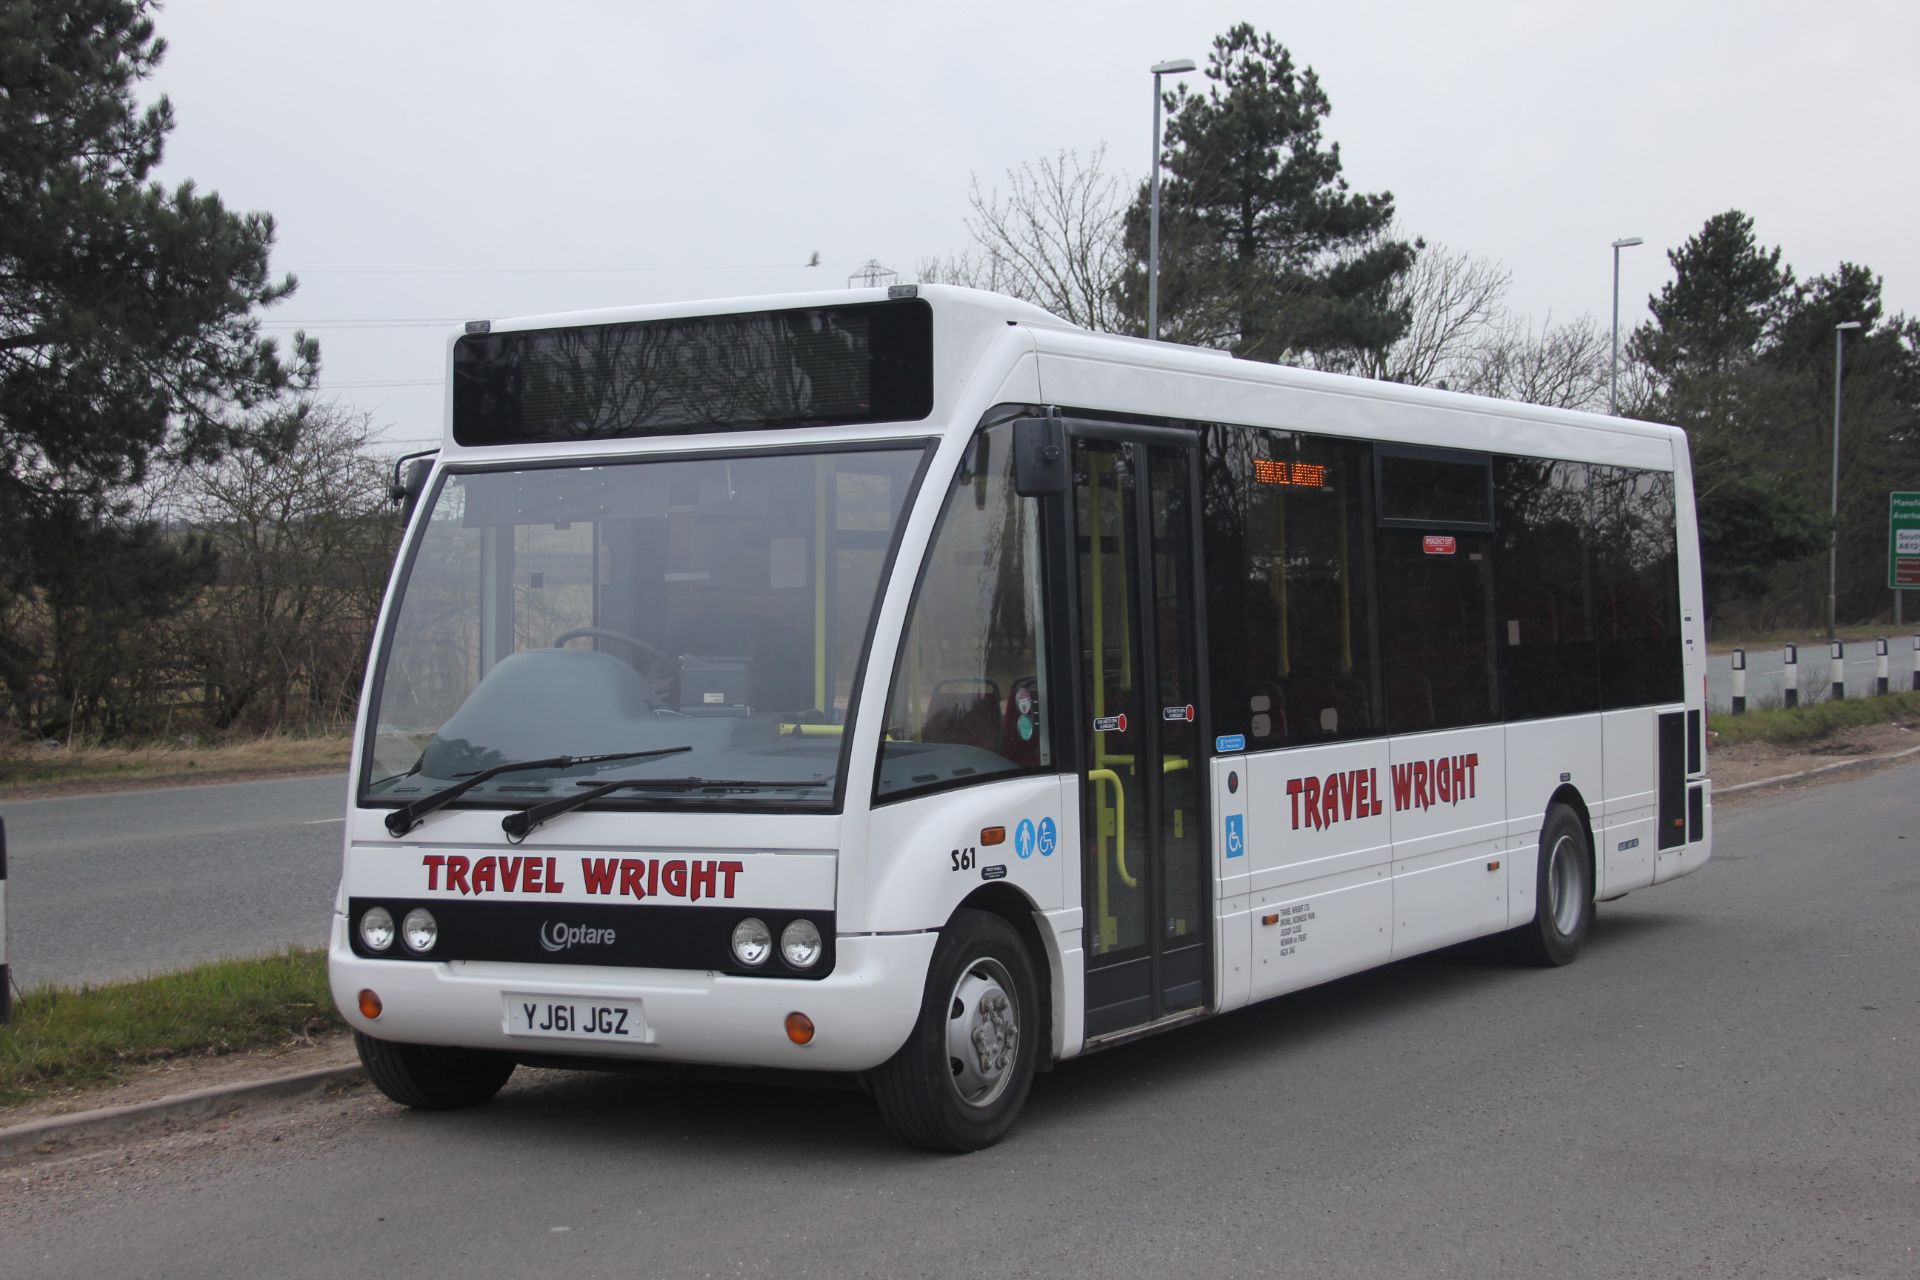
<point>1119,824</point>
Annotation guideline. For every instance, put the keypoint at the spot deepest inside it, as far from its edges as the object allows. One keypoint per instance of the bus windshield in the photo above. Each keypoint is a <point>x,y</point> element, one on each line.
<point>720,606</point>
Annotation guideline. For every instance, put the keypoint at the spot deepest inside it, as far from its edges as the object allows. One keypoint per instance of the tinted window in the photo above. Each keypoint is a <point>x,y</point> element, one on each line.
<point>1545,633</point>
<point>969,698</point>
<point>1433,489</point>
<point>1289,525</point>
<point>1636,587</point>
<point>1436,628</point>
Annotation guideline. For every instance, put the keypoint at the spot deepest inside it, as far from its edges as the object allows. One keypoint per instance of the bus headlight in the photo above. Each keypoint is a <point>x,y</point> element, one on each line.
<point>751,943</point>
<point>376,929</point>
<point>800,944</point>
<point>419,930</point>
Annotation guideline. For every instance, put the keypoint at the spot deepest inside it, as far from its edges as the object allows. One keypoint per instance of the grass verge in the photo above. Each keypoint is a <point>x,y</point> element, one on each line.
<point>33,767</point>
<point>63,1037</point>
<point>1811,723</point>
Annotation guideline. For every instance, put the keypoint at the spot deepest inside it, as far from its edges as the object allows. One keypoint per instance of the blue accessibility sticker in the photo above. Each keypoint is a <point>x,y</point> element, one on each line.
<point>1049,837</point>
<point>1230,742</point>
<point>1236,835</point>
<point>1023,838</point>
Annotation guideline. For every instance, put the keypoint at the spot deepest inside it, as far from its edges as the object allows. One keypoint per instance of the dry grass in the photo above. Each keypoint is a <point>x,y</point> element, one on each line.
<point>51,767</point>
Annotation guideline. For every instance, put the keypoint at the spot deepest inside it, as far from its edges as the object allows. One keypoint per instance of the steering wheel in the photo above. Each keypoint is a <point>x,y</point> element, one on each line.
<point>640,646</point>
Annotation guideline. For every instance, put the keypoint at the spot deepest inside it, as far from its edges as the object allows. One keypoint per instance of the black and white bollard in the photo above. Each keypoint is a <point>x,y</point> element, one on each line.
<point>1916,664</point>
<point>6,978</point>
<point>1739,682</point>
<point>1880,668</point>
<point>1790,690</point>
<point>1837,670</point>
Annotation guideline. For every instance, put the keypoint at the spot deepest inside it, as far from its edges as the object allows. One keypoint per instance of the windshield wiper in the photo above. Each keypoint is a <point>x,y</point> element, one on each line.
<point>517,825</point>
<point>407,816</point>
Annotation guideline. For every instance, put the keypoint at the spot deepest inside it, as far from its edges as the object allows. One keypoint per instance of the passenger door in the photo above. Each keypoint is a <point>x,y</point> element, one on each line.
<point>1140,709</point>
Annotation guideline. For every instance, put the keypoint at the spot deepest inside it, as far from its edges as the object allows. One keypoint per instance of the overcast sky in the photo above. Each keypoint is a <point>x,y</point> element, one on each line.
<point>429,161</point>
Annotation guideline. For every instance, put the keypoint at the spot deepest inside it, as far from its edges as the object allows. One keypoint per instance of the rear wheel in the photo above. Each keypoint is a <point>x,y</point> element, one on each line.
<point>964,1072</point>
<point>1563,892</point>
<point>430,1077</point>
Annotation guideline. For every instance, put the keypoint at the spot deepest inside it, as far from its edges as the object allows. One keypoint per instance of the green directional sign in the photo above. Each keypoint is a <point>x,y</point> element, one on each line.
<point>1903,541</point>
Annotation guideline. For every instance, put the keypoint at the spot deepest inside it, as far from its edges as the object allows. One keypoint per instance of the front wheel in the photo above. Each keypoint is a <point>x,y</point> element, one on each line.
<point>1563,893</point>
<point>430,1077</point>
<point>964,1072</point>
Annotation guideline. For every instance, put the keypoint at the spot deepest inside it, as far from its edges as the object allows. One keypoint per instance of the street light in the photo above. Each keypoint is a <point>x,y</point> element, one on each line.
<point>1613,367</point>
<point>1833,503</point>
<point>1178,66</point>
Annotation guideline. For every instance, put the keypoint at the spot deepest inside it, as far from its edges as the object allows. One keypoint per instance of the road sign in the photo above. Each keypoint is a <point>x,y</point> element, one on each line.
<point>1903,541</point>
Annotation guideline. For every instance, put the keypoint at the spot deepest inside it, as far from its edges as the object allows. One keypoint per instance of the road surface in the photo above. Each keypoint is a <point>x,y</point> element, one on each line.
<point>1722,1086</point>
<point>110,886</point>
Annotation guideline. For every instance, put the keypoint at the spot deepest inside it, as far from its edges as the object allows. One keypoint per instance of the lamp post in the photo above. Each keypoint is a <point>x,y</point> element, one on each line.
<point>1613,366</point>
<point>1833,502</point>
<point>1178,66</point>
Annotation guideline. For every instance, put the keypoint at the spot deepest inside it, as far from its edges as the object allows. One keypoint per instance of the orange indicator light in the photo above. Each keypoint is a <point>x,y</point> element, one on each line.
<point>370,1005</point>
<point>1272,919</point>
<point>993,835</point>
<point>799,1028</point>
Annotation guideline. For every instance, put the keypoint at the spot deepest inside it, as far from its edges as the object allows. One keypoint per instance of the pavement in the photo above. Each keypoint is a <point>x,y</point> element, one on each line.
<point>53,1132</point>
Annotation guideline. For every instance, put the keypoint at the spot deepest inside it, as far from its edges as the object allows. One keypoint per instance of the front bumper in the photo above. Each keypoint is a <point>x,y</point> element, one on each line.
<point>861,1012</point>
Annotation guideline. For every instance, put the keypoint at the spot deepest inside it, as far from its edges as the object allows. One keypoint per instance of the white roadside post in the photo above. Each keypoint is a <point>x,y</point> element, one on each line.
<point>1880,667</point>
<point>1791,691</point>
<point>1739,682</point>
<point>1837,669</point>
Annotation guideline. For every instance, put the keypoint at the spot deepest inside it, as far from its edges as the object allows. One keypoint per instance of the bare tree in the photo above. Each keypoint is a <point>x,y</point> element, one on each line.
<point>1054,239</point>
<point>1454,301</point>
<point>1564,366</point>
<point>304,538</point>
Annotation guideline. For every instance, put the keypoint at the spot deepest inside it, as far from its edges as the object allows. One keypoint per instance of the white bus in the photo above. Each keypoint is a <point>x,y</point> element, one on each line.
<point>906,683</point>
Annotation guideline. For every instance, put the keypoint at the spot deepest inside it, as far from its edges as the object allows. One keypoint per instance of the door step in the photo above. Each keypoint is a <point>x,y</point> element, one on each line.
<point>1127,1035</point>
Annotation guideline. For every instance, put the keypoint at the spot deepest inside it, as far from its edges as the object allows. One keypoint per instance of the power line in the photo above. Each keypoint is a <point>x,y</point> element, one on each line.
<point>400,382</point>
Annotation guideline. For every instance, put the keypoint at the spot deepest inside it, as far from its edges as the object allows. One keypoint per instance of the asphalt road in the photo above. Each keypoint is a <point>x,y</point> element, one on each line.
<point>102,887</point>
<point>1723,1085</point>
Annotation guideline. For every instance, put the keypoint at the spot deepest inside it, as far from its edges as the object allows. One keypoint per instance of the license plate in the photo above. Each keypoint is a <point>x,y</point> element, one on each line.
<point>615,1020</point>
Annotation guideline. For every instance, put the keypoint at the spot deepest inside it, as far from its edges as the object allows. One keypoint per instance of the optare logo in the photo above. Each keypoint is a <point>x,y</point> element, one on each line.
<point>558,935</point>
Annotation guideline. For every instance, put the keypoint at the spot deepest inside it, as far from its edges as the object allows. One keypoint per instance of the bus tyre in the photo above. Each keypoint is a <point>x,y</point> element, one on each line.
<point>963,1074</point>
<point>431,1077</point>
<point>1562,893</point>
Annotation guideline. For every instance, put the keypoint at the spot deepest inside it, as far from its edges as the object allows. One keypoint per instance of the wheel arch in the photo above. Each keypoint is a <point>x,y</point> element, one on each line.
<point>1568,796</point>
<point>1019,911</point>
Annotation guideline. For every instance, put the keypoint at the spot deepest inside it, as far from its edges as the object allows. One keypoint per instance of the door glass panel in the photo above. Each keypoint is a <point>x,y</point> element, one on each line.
<point>1116,810</point>
<point>1174,710</point>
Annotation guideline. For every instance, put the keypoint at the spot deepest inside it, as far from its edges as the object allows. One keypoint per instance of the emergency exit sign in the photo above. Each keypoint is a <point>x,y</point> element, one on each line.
<point>1903,540</point>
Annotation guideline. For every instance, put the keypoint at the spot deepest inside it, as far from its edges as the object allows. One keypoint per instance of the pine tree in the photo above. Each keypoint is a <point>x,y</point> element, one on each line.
<point>1263,249</point>
<point>126,310</point>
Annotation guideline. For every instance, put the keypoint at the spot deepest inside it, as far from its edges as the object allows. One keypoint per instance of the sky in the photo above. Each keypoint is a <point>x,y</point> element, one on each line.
<point>428,162</point>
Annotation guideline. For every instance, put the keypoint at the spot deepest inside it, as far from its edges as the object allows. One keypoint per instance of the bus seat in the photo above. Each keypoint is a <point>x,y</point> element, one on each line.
<point>965,712</point>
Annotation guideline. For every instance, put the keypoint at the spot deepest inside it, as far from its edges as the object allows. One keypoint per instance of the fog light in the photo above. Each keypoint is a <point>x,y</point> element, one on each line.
<point>370,1005</point>
<point>376,929</point>
<point>800,944</point>
<point>751,943</point>
<point>419,930</point>
<point>799,1028</point>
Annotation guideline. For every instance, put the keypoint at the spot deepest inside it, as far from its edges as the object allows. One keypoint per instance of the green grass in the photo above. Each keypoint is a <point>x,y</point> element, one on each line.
<point>63,1037</point>
<point>1795,725</point>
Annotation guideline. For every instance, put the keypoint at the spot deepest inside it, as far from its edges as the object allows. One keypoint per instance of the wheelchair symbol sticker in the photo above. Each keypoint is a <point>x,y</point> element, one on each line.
<point>1023,838</point>
<point>1236,835</point>
<point>1049,837</point>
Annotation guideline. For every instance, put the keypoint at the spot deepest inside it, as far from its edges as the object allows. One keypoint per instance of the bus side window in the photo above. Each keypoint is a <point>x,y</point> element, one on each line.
<point>966,701</point>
